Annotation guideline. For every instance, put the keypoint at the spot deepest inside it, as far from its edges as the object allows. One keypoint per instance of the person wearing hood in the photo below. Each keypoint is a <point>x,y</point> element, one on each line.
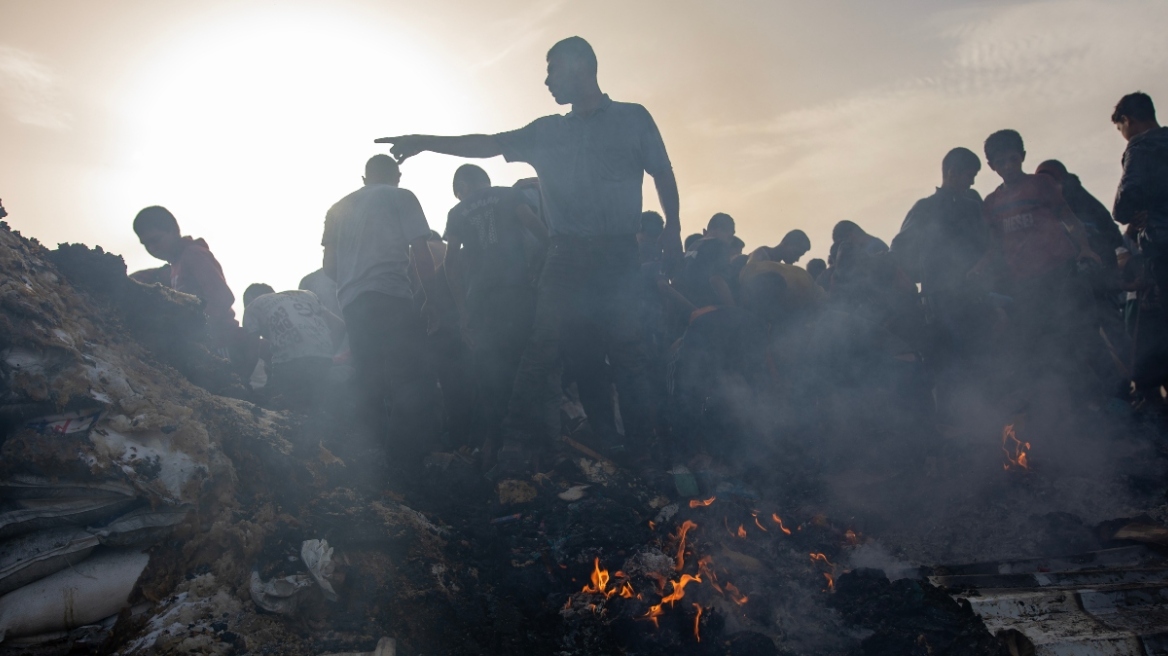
<point>1141,204</point>
<point>190,268</point>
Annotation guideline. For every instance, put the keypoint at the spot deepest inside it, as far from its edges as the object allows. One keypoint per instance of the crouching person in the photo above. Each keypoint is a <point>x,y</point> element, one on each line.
<point>296,337</point>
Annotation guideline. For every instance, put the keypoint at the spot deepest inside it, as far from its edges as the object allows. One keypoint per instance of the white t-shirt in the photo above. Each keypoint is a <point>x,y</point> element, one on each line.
<point>370,231</point>
<point>293,324</point>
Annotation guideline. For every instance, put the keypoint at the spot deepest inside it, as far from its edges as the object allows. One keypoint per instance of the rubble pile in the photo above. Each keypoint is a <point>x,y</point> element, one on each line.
<point>150,505</point>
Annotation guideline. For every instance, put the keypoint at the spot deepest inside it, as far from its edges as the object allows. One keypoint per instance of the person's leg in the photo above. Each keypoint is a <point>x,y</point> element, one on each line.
<point>412,382</point>
<point>617,269</point>
<point>533,410</point>
<point>500,326</point>
<point>365,323</point>
<point>584,363</point>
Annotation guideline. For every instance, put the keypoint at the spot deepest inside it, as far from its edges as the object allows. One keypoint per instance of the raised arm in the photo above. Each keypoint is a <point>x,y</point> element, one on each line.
<point>670,239</point>
<point>478,146</point>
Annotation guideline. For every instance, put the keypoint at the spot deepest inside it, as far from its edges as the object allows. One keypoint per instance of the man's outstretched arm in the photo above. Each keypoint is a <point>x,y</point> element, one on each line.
<point>479,146</point>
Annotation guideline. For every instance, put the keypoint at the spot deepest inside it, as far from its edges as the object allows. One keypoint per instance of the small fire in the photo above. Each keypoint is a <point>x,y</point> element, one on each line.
<point>821,558</point>
<point>697,619</point>
<point>679,588</point>
<point>626,590</point>
<point>653,614</point>
<point>705,568</point>
<point>852,537</point>
<point>685,528</point>
<point>698,503</point>
<point>830,582</point>
<point>779,521</point>
<point>600,580</point>
<point>736,595</point>
<point>756,522</point>
<point>652,525</point>
<point>741,531</point>
<point>1016,450</point>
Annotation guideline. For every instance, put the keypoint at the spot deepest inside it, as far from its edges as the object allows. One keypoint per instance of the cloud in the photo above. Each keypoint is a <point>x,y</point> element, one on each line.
<point>1051,69</point>
<point>523,29</point>
<point>28,89</point>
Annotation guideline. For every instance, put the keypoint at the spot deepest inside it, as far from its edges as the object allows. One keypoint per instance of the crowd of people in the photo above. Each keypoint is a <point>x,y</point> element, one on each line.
<point>562,285</point>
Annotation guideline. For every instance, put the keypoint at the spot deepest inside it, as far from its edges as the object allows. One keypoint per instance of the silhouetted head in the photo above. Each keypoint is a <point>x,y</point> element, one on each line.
<point>571,70</point>
<point>652,225</point>
<point>1005,153</point>
<point>468,179</point>
<point>846,230</point>
<point>736,246</point>
<point>816,268</point>
<point>691,240</point>
<point>959,169</point>
<point>382,169</point>
<point>1053,168</point>
<point>255,291</point>
<point>1134,115</point>
<point>158,231</point>
<point>794,246</point>
<point>721,226</point>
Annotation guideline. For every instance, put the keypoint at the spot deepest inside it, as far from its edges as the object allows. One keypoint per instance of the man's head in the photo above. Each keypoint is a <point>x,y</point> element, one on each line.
<point>571,70</point>
<point>691,240</point>
<point>845,231</point>
<point>255,291</point>
<point>816,268</point>
<point>959,169</point>
<point>736,246</point>
<point>382,169</point>
<point>1134,115</point>
<point>721,226</point>
<point>469,179</point>
<point>652,225</point>
<point>1005,153</point>
<point>1053,168</point>
<point>794,246</point>
<point>158,231</point>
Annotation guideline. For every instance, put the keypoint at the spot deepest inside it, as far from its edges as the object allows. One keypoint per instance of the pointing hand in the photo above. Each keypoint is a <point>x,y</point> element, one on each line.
<point>404,147</point>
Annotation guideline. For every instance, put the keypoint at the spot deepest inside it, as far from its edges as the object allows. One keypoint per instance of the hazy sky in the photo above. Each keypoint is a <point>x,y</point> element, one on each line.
<point>249,119</point>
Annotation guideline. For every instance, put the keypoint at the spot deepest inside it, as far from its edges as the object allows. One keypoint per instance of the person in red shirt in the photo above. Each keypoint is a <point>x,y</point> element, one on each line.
<point>1036,242</point>
<point>191,269</point>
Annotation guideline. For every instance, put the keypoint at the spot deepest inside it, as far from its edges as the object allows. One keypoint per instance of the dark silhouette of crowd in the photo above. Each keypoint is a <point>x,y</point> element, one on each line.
<point>560,293</point>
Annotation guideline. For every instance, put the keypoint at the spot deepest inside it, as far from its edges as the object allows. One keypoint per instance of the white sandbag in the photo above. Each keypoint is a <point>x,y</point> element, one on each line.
<point>21,516</point>
<point>140,526</point>
<point>94,589</point>
<point>34,556</point>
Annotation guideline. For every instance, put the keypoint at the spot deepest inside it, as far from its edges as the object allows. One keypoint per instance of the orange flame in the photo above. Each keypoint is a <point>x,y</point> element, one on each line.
<point>822,558</point>
<point>830,582</point>
<point>626,590</point>
<point>736,595</point>
<point>705,568</point>
<point>698,503</point>
<point>652,525</point>
<point>852,537</point>
<point>679,588</point>
<point>697,619</point>
<point>653,614</point>
<point>1015,450</point>
<point>756,522</point>
<point>685,528</point>
<point>599,581</point>
<point>779,521</point>
<point>741,531</point>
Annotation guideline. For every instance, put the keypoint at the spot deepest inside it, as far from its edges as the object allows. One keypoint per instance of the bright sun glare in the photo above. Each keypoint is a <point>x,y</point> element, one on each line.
<point>249,131</point>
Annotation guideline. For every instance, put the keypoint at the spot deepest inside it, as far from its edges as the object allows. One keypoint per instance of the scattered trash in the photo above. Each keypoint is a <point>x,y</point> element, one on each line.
<point>318,557</point>
<point>280,595</point>
<point>684,481</point>
<point>574,493</point>
<point>512,491</point>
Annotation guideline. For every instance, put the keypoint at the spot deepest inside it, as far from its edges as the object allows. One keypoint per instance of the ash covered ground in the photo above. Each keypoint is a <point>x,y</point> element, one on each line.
<point>801,541</point>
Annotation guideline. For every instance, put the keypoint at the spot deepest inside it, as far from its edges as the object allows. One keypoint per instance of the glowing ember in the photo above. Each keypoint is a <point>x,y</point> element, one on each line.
<point>697,619</point>
<point>741,531</point>
<point>779,521</point>
<point>821,558</point>
<point>600,580</point>
<point>830,582</point>
<point>652,525</point>
<point>705,569</point>
<point>852,537</point>
<point>1015,450</point>
<point>685,528</point>
<point>756,522</point>
<point>698,503</point>
<point>736,595</point>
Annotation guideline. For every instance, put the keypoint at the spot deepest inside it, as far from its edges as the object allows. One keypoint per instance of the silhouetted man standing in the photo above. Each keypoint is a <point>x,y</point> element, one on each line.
<point>591,164</point>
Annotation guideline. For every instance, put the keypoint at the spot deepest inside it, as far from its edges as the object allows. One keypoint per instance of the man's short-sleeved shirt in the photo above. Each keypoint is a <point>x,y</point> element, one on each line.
<point>293,324</point>
<point>1026,217</point>
<point>370,231</point>
<point>591,168</point>
<point>492,238</point>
